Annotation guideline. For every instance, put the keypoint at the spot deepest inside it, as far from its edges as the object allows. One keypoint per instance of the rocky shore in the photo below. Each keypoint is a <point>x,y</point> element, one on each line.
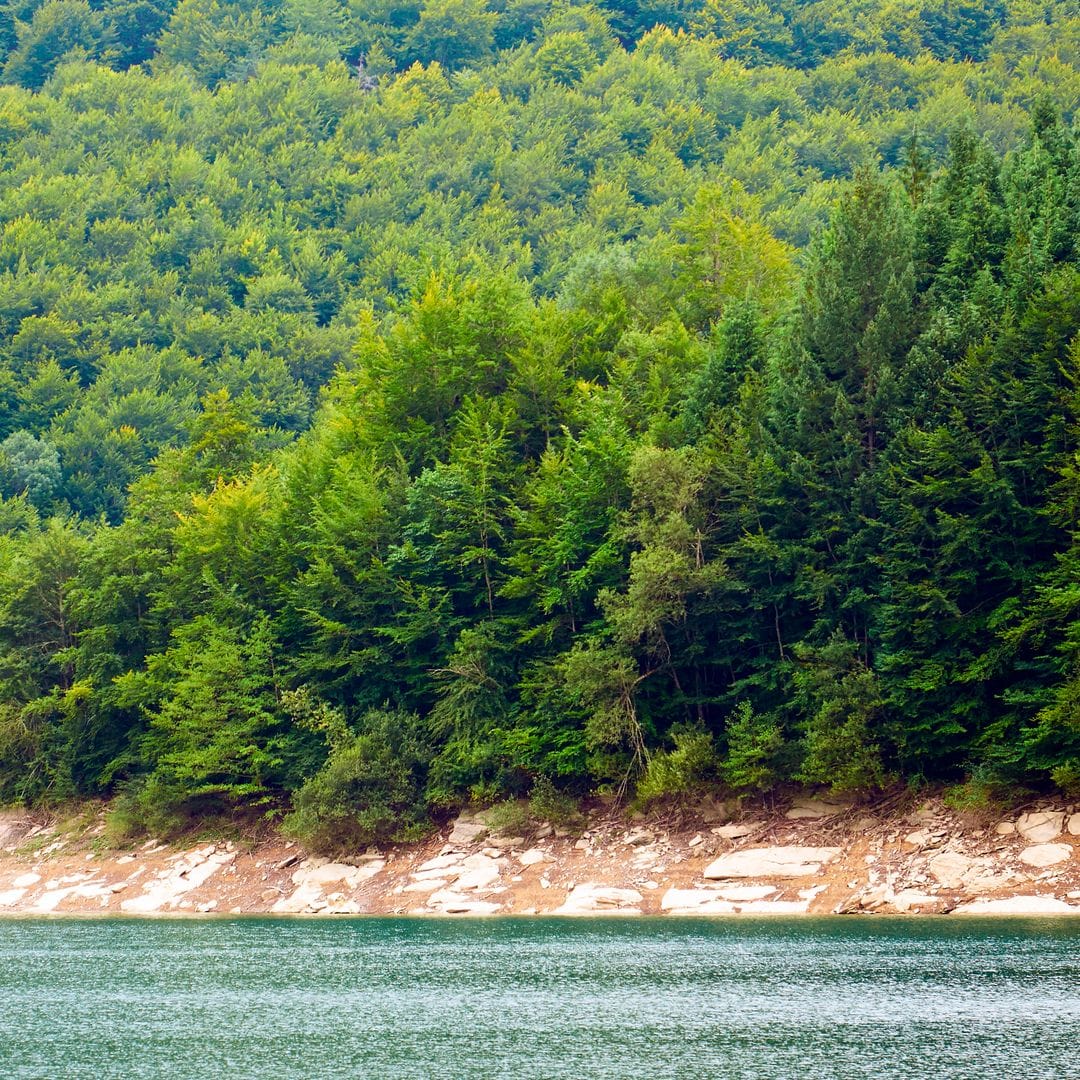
<point>812,856</point>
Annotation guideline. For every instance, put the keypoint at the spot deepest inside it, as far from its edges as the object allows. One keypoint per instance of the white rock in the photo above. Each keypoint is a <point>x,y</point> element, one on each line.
<point>533,857</point>
<point>447,872</point>
<point>907,899</point>
<point>11,897</point>
<point>589,899</point>
<point>771,862</point>
<point>1017,905</point>
<point>167,891</point>
<point>425,886</point>
<point>949,868</point>
<point>683,900</point>
<point>467,831</point>
<point>1005,828</point>
<point>1074,825</point>
<point>699,839</point>
<point>775,907</point>
<point>479,878</point>
<point>49,901</point>
<point>918,839</point>
<point>470,907</point>
<point>734,832</point>
<point>1041,826</point>
<point>1045,854</point>
<point>745,892</point>
<point>326,874</point>
<point>440,862</point>
<point>813,808</point>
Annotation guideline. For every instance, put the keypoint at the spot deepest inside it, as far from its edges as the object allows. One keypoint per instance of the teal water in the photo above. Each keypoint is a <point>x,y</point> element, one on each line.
<point>539,998</point>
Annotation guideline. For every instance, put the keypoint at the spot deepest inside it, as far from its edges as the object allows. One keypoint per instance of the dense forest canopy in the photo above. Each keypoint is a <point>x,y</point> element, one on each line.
<point>409,403</point>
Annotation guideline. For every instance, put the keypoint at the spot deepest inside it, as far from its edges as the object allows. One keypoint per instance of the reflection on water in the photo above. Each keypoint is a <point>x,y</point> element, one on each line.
<point>247,998</point>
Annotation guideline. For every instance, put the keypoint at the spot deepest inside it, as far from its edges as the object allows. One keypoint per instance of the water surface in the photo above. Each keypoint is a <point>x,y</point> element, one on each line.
<point>539,998</point>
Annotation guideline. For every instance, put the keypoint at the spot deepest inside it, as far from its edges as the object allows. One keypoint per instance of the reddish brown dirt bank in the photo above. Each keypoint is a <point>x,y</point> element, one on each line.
<point>812,857</point>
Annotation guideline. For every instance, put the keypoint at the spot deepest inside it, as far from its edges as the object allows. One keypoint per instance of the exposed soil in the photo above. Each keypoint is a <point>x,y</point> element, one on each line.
<point>898,856</point>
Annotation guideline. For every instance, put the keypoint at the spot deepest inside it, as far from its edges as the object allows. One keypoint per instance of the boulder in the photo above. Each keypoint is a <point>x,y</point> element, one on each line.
<point>770,862</point>
<point>533,857</point>
<point>918,839</point>
<point>908,899</point>
<point>1005,828</point>
<point>949,868</point>
<point>467,831</point>
<point>1041,855</point>
<point>1041,826</point>
<point>1074,825</point>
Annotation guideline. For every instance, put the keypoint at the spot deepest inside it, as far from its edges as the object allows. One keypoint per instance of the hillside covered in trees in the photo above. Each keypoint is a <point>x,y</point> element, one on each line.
<point>410,403</point>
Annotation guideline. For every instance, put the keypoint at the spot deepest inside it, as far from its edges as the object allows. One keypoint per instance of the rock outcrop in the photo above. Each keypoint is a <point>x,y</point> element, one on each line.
<point>770,862</point>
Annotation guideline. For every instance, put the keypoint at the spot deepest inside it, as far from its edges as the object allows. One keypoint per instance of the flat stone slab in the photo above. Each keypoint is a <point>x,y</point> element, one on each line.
<point>741,893</point>
<point>1041,855</point>
<point>683,900</point>
<point>775,907</point>
<point>1017,905</point>
<point>734,832</point>
<point>770,862</point>
<point>600,900</point>
<point>533,857</point>
<point>712,902</point>
<point>452,902</point>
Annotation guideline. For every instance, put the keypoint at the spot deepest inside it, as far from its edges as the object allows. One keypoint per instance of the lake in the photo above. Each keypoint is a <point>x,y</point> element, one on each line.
<point>539,998</point>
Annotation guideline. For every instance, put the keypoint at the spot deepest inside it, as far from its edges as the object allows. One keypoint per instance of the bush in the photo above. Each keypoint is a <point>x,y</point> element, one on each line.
<point>369,791</point>
<point>509,818</point>
<point>547,803</point>
<point>675,772</point>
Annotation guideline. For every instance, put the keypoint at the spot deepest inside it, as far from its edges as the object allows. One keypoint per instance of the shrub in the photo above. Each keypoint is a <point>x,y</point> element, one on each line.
<point>369,791</point>
<point>675,772</point>
<point>548,803</point>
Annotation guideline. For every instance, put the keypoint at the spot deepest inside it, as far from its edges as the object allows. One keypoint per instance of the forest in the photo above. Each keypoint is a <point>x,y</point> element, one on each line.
<point>407,404</point>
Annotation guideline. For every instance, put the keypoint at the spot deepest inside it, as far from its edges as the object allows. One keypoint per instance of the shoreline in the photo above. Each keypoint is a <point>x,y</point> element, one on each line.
<point>811,858</point>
